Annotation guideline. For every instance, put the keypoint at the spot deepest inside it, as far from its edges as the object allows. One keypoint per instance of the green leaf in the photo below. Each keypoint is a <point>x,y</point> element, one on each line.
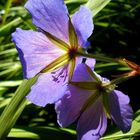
<point>75,1</point>
<point>10,83</point>
<point>118,135</point>
<point>8,51</point>
<point>8,5</point>
<point>6,29</point>
<point>15,107</point>
<point>96,5</point>
<point>2,90</point>
<point>4,102</point>
<point>42,133</point>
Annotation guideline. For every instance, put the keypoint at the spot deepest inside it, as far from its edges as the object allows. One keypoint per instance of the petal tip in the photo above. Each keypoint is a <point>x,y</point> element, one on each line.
<point>34,101</point>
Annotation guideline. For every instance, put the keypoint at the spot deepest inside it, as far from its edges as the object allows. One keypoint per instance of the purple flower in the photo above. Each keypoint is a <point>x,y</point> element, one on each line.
<point>52,50</point>
<point>89,100</point>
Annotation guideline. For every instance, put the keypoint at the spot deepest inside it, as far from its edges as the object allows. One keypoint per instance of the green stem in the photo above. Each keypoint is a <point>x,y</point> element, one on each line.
<point>15,107</point>
<point>119,80</point>
<point>98,57</point>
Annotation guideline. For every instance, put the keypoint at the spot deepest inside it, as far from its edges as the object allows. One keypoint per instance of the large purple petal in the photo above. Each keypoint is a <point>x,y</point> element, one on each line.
<point>121,111</point>
<point>83,23</point>
<point>50,15</point>
<point>49,88</point>
<point>68,108</point>
<point>35,51</point>
<point>92,122</point>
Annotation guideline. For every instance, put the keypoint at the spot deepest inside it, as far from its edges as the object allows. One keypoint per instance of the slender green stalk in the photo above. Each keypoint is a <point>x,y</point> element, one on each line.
<point>8,5</point>
<point>98,57</point>
<point>15,107</point>
<point>120,80</point>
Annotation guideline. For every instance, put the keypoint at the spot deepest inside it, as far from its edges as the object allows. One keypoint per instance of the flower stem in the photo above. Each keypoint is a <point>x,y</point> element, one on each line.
<point>119,80</point>
<point>98,57</point>
<point>13,110</point>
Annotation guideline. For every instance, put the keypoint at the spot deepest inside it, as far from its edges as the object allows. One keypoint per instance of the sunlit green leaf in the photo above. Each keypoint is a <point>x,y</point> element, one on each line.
<point>10,83</point>
<point>4,30</point>
<point>42,133</point>
<point>118,135</point>
<point>15,107</point>
<point>96,5</point>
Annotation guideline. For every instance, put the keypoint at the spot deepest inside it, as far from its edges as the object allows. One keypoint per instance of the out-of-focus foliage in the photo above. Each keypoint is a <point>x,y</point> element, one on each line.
<point>116,34</point>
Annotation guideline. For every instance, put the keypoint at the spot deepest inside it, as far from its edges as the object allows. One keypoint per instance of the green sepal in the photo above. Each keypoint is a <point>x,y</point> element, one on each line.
<point>57,42</point>
<point>94,96</point>
<point>85,85</point>
<point>72,36</point>
<point>60,61</point>
<point>106,104</point>
<point>71,69</point>
<point>94,75</point>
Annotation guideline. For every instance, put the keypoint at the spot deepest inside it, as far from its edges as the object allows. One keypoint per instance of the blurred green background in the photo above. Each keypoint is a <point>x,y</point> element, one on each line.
<point>116,34</point>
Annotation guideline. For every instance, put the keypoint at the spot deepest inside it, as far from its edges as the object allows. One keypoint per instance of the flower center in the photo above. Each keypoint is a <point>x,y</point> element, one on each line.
<point>106,87</point>
<point>72,53</point>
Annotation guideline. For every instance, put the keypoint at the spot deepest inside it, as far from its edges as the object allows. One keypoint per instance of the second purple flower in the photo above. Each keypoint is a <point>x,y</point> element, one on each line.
<point>90,100</point>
